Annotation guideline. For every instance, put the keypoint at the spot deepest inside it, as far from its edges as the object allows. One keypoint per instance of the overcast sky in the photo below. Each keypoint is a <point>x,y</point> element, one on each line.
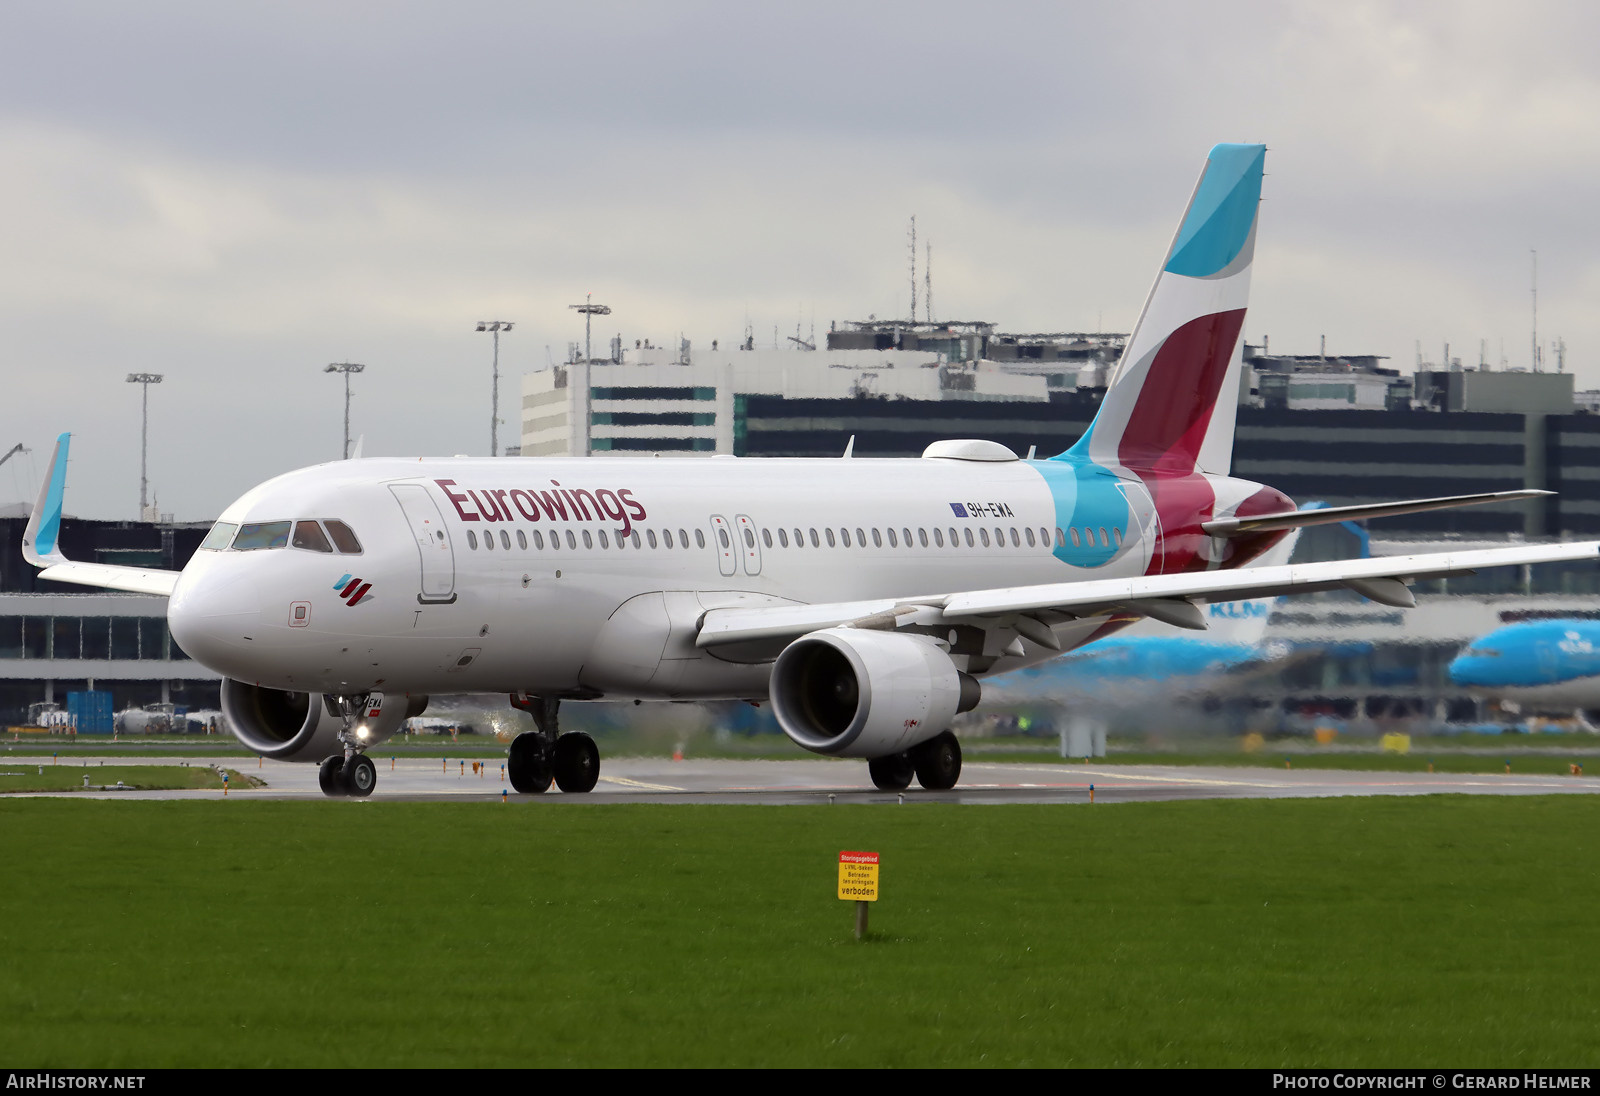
<point>235,195</point>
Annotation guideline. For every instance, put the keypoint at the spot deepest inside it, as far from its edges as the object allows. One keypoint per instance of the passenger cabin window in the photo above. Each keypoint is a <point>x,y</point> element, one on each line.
<point>343,538</point>
<point>220,537</point>
<point>262,534</point>
<point>309,535</point>
<point>472,540</point>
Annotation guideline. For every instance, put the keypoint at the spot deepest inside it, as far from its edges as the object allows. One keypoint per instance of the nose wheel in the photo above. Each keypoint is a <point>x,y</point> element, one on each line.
<point>351,773</point>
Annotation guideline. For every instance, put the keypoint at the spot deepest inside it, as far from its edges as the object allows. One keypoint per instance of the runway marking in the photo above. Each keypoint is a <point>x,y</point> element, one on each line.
<point>625,782</point>
<point>1130,777</point>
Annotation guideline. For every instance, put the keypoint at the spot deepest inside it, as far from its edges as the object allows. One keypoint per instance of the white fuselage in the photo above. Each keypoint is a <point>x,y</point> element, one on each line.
<point>477,581</point>
<point>604,598</point>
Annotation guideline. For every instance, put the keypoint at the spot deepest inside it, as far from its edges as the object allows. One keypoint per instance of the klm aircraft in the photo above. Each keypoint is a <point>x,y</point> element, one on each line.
<point>1549,663</point>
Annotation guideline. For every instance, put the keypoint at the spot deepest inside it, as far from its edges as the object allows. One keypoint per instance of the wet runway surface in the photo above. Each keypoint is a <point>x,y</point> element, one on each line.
<point>655,780</point>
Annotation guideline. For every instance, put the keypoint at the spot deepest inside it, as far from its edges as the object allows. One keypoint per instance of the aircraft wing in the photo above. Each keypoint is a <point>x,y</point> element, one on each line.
<point>107,576</point>
<point>41,547</point>
<point>1169,598</point>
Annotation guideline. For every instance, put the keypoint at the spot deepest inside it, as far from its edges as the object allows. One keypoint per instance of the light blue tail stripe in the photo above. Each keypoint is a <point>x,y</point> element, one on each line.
<point>1224,208</point>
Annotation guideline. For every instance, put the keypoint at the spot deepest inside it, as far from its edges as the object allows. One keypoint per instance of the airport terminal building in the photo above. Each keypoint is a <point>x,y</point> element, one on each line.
<point>57,639</point>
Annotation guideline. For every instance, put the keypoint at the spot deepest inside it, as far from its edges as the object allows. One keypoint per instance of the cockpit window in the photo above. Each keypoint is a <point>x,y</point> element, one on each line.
<point>309,535</point>
<point>343,537</point>
<point>262,534</point>
<point>220,536</point>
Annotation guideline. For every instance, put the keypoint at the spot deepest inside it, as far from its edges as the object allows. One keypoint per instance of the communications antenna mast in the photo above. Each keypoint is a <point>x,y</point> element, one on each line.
<point>1534,365</point>
<point>913,268</point>
<point>927,282</point>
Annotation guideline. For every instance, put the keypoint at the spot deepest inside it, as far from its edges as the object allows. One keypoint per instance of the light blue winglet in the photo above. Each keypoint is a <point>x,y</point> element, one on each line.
<point>39,539</point>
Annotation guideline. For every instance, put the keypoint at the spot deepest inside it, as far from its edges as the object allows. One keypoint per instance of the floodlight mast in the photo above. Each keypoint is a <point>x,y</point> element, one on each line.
<point>346,368</point>
<point>145,379</point>
<point>589,310</point>
<point>495,327</point>
<point>580,439</point>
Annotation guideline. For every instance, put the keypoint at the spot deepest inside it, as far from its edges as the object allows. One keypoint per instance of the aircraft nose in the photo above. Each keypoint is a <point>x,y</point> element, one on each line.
<point>214,614</point>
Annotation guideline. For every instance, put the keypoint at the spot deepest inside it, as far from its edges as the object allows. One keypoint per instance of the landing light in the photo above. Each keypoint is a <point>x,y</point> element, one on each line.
<point>361,732</point>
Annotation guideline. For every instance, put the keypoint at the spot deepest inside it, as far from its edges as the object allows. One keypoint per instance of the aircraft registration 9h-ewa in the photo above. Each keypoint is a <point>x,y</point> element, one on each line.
<point>866,599</point>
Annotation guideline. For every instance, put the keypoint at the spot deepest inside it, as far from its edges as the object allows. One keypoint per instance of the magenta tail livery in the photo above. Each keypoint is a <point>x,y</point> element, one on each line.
<point>866,599</point>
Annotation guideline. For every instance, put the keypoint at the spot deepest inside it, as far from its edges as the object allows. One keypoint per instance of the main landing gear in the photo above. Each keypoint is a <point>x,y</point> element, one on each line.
<point>540,756</point>
<point>351,773</point>
<point>935,763</point>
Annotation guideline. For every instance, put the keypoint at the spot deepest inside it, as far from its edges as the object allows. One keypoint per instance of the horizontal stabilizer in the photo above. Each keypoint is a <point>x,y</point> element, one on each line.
<point>1295,519</point>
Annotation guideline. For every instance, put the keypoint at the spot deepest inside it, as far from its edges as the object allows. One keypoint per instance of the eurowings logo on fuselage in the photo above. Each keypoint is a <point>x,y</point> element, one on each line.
<point>575,504</point>
<point>351,589</point>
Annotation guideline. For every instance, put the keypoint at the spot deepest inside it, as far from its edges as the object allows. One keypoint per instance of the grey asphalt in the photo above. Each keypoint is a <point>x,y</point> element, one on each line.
<point>804,781</point>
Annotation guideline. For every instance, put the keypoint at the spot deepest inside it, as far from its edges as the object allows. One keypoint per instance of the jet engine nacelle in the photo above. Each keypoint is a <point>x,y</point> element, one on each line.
<point>287,726</point>
<point>851,692</point>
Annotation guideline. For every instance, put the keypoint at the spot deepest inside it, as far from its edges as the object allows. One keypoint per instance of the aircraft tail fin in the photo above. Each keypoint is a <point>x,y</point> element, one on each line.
<point>1172,400</point>
<point>1245,622</point>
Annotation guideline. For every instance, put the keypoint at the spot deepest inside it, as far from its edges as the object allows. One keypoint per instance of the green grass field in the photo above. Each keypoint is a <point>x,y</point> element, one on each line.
<point>40,775</point>
<point>1380,932</point>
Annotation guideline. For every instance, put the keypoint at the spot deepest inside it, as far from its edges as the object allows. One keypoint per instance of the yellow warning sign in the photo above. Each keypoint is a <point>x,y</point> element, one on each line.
<point>858,876</point>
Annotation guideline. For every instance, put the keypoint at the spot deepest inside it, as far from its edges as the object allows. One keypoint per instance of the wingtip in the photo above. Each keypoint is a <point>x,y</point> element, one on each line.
<point>40,545</point>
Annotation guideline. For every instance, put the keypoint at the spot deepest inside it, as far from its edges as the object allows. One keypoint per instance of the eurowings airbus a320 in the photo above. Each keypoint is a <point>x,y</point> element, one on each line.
<point>865,599</point>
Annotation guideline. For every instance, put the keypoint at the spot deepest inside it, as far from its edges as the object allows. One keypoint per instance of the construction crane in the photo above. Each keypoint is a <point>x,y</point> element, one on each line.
<point>13,451</point>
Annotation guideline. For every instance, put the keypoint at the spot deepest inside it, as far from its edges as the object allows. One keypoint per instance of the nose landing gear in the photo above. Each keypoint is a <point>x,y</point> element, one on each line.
<point>351,773</point>
<point>540,756</point>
